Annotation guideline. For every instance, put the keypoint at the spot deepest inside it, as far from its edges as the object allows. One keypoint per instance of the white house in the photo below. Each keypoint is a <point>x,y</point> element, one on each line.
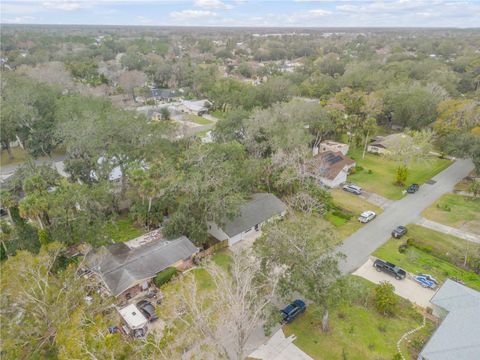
<point>330,168</point>
<point>198,107</point>
<point>253,214</point>
<point>458,336</point>
<point>381,144</point>
<point>136,323</point>
<point>330,145</point>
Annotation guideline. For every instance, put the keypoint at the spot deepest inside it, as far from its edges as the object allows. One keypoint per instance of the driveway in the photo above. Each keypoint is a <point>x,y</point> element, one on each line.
<point>279,347</point>
<point>406,288</point>
<point>362,243</point>
<point>465,235</point>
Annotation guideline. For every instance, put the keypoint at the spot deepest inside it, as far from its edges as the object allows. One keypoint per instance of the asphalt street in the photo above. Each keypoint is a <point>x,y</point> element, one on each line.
<point>362,243</point>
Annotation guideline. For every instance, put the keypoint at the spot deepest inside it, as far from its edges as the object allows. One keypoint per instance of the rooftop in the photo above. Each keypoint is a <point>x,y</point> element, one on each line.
<point>260,208</point>
<point>458,336</point>
<point>133,317</point>
<point>123,265</point>
<point>329,164</point>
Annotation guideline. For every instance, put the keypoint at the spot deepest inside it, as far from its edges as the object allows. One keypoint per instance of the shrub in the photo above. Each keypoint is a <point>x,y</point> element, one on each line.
<point>359,168</point>
<point>401,174</point>
<point>164,276</point>
<point>385,299</point>
<point>370,171</point>
<point>402,248</point>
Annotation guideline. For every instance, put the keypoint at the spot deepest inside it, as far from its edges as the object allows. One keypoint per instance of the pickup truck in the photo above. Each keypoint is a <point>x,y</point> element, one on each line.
<point>290,312</point>
<point>390,269</point>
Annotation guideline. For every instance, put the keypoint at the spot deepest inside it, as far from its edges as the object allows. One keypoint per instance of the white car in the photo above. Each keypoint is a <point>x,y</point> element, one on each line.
<point>366,216</point>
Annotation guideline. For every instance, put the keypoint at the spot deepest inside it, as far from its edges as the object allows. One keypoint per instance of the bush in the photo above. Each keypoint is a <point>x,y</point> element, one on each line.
<point>385,299</point>
<point>164,276</point>
<point>370,171</point>
<point>402,248</point>
<point>358,168</point>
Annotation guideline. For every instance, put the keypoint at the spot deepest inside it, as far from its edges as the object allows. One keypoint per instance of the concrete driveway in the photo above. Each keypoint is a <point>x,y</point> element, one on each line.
<point>406,288</point>
<point>362,243</point>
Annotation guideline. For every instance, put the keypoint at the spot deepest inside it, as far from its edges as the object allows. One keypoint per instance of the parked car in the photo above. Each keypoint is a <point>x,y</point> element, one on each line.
<point>367,216</point>
<point>390,269</point>
<point>399,231</point>
<point>147,309</point>
<point>354,189</point>
<point>291,311</point>
<point>413,188</point>
<point>425,282</point>
<point>429,278</point>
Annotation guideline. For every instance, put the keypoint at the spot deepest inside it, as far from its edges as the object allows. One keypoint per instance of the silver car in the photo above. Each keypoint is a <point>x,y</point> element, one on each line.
<point>354,189</point>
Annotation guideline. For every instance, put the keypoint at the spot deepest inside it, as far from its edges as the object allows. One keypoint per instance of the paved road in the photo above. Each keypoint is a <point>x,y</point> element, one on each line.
<point>10,169</point>
<point>362,243</point>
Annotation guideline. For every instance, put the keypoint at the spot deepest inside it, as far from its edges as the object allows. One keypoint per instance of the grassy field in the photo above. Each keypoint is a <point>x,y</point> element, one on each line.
<point>381,180</point>
<point>438,247</point>
<point>123,229</point>
<point>197,119</point>
<point>458,211</point>
<point>20,155</point>
<point>353,205</point>
<point>219,114</point>
<point>356,332</point>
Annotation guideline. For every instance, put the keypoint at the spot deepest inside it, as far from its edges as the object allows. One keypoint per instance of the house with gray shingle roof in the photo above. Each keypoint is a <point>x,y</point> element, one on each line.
<point>261,208</point>
<point>126,268</point>
<point>458,336</point>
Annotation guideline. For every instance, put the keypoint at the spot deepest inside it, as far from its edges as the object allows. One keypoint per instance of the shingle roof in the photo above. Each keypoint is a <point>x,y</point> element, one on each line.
<point>329,164</point>
<point>121,267</point>
<point>390,140</point>
<point>262,207</point>
<point>458,336</point>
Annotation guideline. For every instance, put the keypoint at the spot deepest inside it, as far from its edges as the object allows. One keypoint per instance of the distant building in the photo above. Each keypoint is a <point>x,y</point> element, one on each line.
<point>382,144</point>
<point>165,94</point>
<point>330,168</point>
<point>458,336</point>
<point>198,107</point>
<point>329,145</point>
<point>253,214</point>
<point>126,268</point>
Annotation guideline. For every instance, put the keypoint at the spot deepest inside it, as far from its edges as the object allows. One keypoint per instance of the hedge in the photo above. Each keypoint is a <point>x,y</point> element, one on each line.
<point>164,276</point>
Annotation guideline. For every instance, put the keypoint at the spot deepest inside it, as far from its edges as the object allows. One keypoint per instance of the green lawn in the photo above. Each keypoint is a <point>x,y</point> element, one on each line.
<point>356,332</point>
<point>382,178</point>
<point>197,119</point>
<point>438,258</point>
<point>351,204</point>
<point>462,212</point>
<point>219,114</point>
<point>123,229</point>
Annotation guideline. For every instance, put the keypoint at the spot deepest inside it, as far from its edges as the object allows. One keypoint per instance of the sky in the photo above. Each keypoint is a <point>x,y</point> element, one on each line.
<point>256,13</point>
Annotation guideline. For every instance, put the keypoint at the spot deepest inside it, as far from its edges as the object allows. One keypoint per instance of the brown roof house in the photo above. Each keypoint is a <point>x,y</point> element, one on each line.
<point>382,144</point>
<point>330,168</point>
<point>126,268</point>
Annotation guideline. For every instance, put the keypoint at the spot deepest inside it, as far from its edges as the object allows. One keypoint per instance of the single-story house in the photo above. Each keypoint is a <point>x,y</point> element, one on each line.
<point>198,107</point>
<point>330,168</point>
<point>330,145</point>
<point>126,268</point>
<point>381,144</point>
<point>253,214</point>
<point>458,336</point>
<point>165,94</point>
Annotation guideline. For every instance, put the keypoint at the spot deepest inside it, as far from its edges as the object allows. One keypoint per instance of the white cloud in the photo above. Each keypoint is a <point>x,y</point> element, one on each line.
<point>62,5</point>
<point>192,14</point>
<point>212,4</point>
<point>18,20</point>
<point>319,12</point>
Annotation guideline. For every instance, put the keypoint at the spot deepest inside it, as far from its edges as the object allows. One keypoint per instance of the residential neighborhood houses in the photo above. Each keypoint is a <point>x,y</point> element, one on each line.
<point>210,193</point>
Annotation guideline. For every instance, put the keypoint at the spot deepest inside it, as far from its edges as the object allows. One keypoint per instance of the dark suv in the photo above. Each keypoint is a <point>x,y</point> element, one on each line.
<point>399,231</point>
<point>147,310</point>
<point>390,268</point>
<point>413,188</point>
<point>290,312</point>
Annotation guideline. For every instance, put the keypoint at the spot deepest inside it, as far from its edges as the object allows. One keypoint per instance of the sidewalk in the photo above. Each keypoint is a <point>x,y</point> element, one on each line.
<point>449,230</point>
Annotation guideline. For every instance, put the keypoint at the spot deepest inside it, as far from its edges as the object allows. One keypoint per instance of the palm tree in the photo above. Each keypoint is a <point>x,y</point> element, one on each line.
<point>32,207</point>
<point>7,201</point>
